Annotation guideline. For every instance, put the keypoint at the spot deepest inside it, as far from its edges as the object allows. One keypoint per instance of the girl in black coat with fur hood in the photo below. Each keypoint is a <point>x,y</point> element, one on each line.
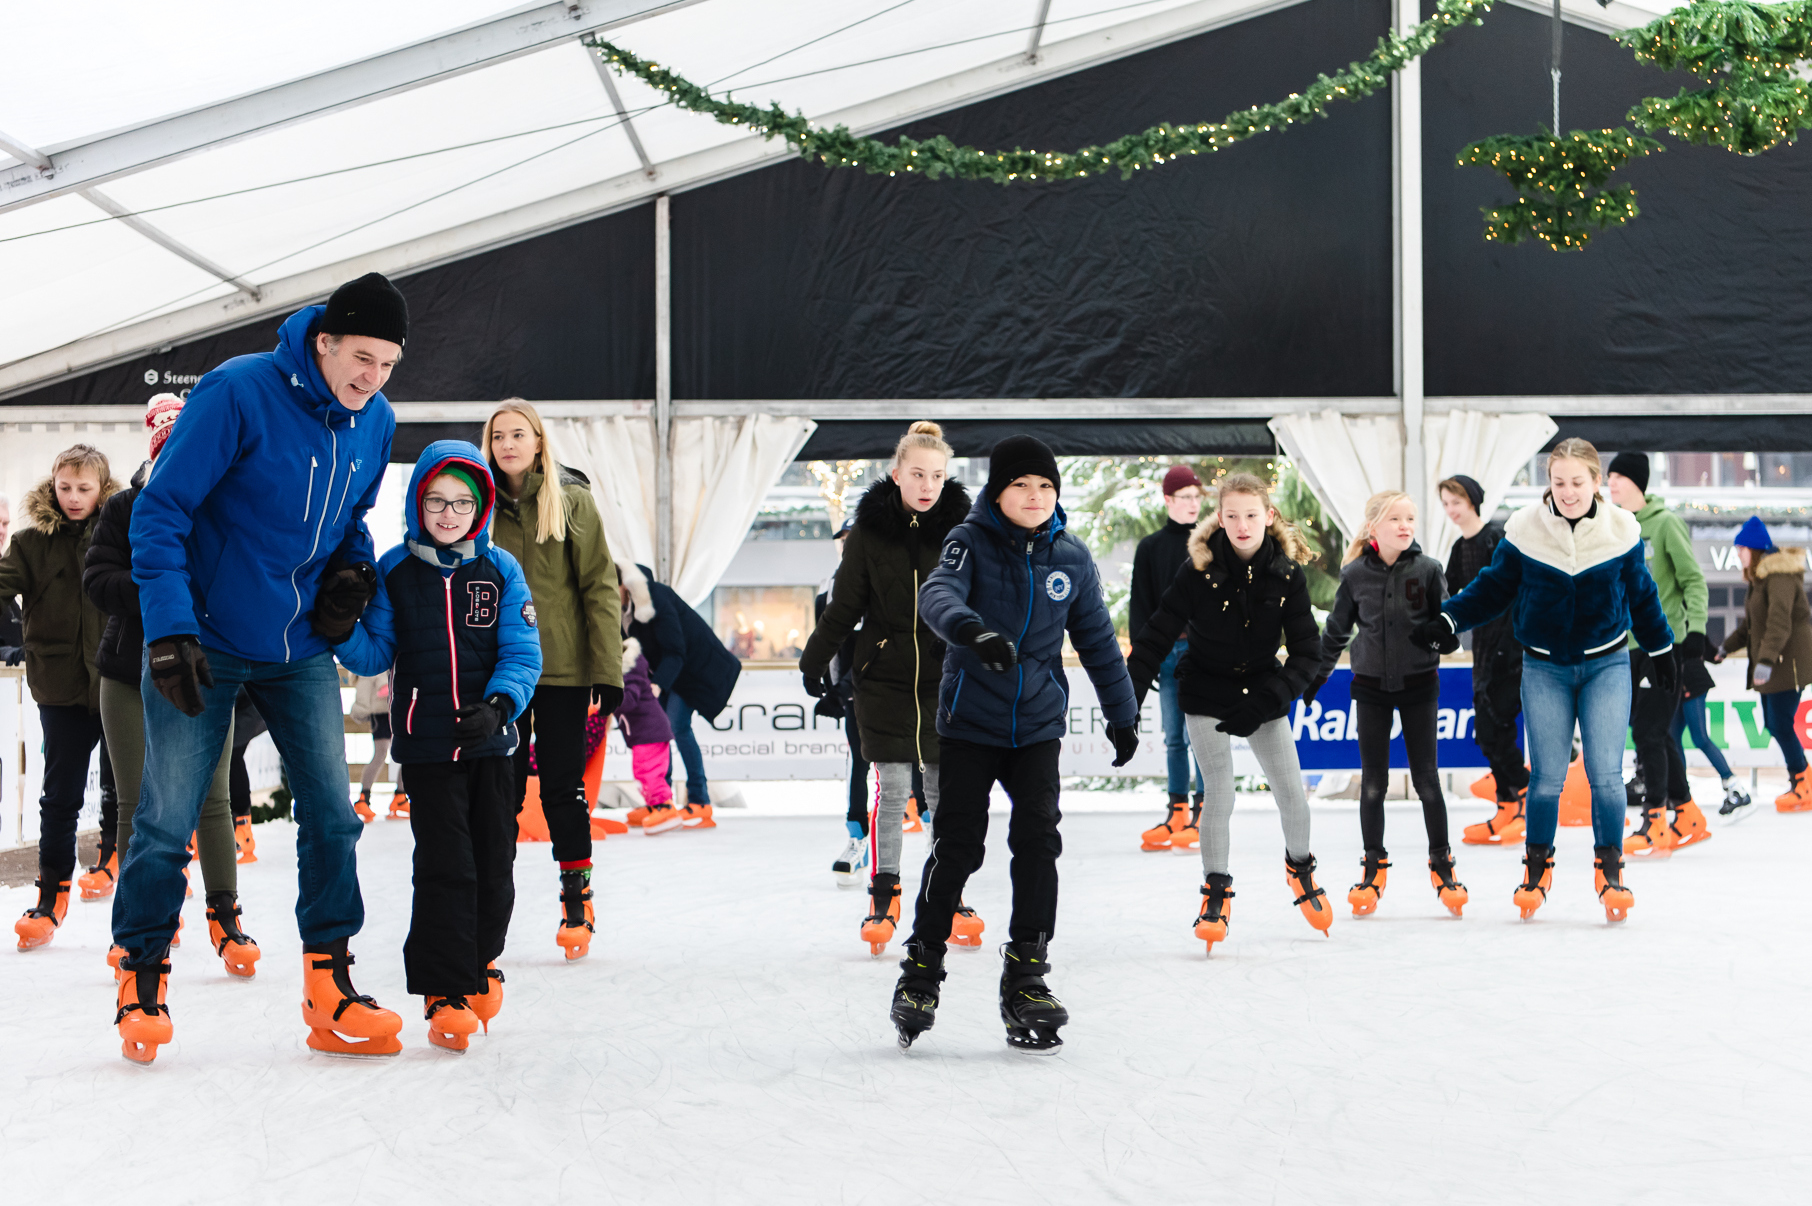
<point>899,532</point>
<point>1240,596</point>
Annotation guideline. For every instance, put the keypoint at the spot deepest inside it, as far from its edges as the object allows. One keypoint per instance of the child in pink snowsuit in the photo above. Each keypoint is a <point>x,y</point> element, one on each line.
<point>643,723</point>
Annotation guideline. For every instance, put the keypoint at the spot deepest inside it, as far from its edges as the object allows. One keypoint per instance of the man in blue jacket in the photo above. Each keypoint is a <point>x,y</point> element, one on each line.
<point>252,558</point>
<point>1011,581</point>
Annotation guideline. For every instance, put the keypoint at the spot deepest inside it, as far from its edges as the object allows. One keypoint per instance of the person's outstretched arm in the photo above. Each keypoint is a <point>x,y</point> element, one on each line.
<point>371,648</point>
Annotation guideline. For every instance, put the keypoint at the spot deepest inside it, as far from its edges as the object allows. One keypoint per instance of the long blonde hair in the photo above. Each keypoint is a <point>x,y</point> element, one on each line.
<point>922,434</point>
<point>1282,530</point>
<point>1572,449</point>
<point>550,504</point>
<point>1375,508</point>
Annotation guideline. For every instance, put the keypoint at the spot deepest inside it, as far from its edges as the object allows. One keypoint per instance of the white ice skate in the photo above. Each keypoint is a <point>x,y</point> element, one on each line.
<point>851,866</point>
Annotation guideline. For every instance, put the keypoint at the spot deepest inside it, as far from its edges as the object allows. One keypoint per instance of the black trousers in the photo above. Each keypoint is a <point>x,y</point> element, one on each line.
<point>555,718</point>
<point>463,816</point>
<point>966,774</point>
<point>1658,752</point>
<point>859,771</point>
<point>70,734</point>
<point>1424,768</point>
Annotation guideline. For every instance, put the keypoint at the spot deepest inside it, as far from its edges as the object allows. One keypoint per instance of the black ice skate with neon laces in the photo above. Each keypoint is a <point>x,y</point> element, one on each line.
<point>1028,1007</point>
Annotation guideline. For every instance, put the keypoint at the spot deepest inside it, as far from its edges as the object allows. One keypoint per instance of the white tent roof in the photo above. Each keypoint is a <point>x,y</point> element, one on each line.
<point>171,169</point>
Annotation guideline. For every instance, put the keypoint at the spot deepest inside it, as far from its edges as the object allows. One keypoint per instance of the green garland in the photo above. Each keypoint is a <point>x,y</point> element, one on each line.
<point>938,157</point>
<point>1561,198</point>
<point>1748,53</point>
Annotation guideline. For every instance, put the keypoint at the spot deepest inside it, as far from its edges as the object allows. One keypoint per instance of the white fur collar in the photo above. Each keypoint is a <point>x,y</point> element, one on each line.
<point>1541,535</point>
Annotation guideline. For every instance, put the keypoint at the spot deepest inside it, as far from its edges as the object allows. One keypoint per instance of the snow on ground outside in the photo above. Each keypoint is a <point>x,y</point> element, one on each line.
<point>728,1039</point>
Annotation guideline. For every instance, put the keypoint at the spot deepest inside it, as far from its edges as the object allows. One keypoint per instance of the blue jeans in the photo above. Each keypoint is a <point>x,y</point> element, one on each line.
<point>1596,695</point>
<point>1778,711</point>
<point>1177,761</point>
<point>1691,715</point>
<point>679,715</point>
<point>301,701</point>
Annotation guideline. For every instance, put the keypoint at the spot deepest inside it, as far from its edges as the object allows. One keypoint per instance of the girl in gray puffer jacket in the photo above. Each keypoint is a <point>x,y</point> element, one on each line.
<point>1387,587</point>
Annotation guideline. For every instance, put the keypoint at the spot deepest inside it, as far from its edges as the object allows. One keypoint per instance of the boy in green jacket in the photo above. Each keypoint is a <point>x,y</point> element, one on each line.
<point>1662,762</point>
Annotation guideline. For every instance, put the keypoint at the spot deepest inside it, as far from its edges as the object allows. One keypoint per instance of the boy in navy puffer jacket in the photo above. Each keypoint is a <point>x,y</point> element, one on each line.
<point>1009,584</point>
<point>455,619</point>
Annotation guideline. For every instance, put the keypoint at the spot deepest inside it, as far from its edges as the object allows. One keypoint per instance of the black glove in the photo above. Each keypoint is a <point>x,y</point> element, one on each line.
<point>12,655</point>
<point>996,652</point>
<point>179,669</point>
<point>607,697</point>
<point>1308,697</point>
<point>1436,634</point>
<point>1694,646</point>
<point>1664,671</point>
<point>817,683</point>
<point>341,600</point>
<point>480,721</point>
<point>1126,740</point>
<point>1139,692</point>
<point>1242,723</point>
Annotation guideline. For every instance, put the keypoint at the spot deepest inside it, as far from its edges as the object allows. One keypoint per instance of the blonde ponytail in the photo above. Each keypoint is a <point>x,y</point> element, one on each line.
<point>922,434</point>
<point>551,506</point>
<point>1375,507</point>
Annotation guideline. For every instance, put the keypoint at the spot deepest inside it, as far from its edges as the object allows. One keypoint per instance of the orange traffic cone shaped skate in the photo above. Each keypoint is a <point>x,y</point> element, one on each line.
<point>1211,920</point>
<point>399,806</point>
<point>1653,839</point>
<point>1689,828</point>
<point>97,882</point>
<point>1368,891</point>
<point>1576,795</point>
<point>1538,877</point>
<point>244,843</point>
<point>360,806</point>
<point>637,815</point>
<point>488,1003</point>
<point>340,1020</point>
<point>1159,836</point>
<point>577,921</point>
<point>1188,839</point>
<point>39,924</point>
<point>1616,898</point>
<point>911,823</point>
<point>451,1022</point>
<point>1504,828</point>
<point>697,816</point>
<point>660,818</point>
<point>1440,873</point>
<point>235,948</point>
<point>966,927</point>
<point>143,1018</point>
<point>1312,900</point>
<point>1798,796</point>
<point>883,912</point>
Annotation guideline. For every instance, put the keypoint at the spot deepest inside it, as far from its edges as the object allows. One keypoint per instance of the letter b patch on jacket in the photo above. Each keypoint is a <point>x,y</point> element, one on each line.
<point>483,613</point>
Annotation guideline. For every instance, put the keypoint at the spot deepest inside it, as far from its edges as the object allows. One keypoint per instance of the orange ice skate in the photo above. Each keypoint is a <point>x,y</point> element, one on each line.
<point>1689,826</point>
<point>697,816</point>
<point>1576,795</point>
<point>235,948</point>
<point>1617,899</point>
<point>911,823</point>
<point>361,806</point>
<point>637,815</point>
<point>966,927</point>
<point>1654,839</point>
<point>245,844</point>
<point>660,818</point>
<point>487,1003</point>
<point>39,924</point>
<point>1440,873</point>
<point>97,882</point>
<point>1538,877</point>
<point>143,1018</point>
<point>1504,828</point>
<point>577,921</point>
<point>340,1020</point>
<point>883,913</point>
<point>1160,836</point>
<point>1211,921</point>
<point>451,1022</point>
<point>1312,900</point>
<point>1188,839</point>
<point>1366,894</point>
<point>399,806</point>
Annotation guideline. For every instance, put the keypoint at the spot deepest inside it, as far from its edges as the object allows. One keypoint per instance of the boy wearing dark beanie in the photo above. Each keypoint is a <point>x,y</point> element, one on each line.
<point>1009,584</point>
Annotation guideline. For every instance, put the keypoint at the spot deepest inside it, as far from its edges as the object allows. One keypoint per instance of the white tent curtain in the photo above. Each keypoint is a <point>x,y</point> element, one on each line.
<point>1344,459</point>
<point>1489,448</point>
<point>27,449</point>
<point>722,469</point>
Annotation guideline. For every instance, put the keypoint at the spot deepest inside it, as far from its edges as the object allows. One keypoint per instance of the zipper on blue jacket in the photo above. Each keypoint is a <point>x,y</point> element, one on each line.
<point>956,694</point>
<point>1019,691</point>
<point>333,453</point>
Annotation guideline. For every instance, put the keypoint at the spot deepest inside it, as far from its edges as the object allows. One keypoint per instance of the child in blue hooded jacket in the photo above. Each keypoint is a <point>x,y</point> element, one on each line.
<point>454,618</point>
<point>1009,584</point>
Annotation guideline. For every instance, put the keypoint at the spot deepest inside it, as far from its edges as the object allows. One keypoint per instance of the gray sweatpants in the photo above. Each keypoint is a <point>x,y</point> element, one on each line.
<point>1276,752</point>
<point>890,810</point>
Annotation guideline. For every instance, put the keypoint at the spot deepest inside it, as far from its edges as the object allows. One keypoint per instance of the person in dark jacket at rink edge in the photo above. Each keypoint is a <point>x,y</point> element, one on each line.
<point>693,670</point>
<point>253,559</point>
<point>1009,584</point>
<point>1155,563</point>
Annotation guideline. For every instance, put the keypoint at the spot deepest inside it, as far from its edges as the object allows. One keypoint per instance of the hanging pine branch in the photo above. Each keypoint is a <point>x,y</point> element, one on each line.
<point>1561,198</point>
<point>939,157</point>
<point>1748,53</point>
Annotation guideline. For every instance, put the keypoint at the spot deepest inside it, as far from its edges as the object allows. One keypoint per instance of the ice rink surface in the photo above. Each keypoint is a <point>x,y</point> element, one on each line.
<point>728,1040</point>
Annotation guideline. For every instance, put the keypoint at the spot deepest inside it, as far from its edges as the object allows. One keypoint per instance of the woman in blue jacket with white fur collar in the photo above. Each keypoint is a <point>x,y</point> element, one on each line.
<point>1570,570</point>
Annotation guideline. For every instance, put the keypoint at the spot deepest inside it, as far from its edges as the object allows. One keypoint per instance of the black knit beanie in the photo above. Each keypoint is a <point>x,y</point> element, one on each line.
<point>1633,465</point>
<point>1016,456</point>
<point>1475,493</point>
<point>370,306</point>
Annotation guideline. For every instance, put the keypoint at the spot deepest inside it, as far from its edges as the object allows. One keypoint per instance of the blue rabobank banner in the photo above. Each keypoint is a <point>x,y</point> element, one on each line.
<point>1326,739</point>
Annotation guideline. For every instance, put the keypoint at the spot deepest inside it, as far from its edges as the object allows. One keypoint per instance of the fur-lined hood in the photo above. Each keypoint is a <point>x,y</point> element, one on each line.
<point>1781,561</point>
<point>632,649</point>
<point>880,512</point>
<point>42,512</point>
<point>1291,544</point>
<point>635,577</point>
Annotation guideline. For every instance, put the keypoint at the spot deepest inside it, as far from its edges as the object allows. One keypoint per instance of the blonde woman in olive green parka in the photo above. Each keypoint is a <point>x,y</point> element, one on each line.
<point>557,535</point>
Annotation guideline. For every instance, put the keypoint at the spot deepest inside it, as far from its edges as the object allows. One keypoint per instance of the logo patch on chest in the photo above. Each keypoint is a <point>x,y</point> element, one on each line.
<point>483,613</point>
<point>1057,585</point>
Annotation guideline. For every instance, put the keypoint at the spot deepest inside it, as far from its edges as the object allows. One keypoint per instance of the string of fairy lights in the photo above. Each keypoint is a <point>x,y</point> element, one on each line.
<point>1749,54</point>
